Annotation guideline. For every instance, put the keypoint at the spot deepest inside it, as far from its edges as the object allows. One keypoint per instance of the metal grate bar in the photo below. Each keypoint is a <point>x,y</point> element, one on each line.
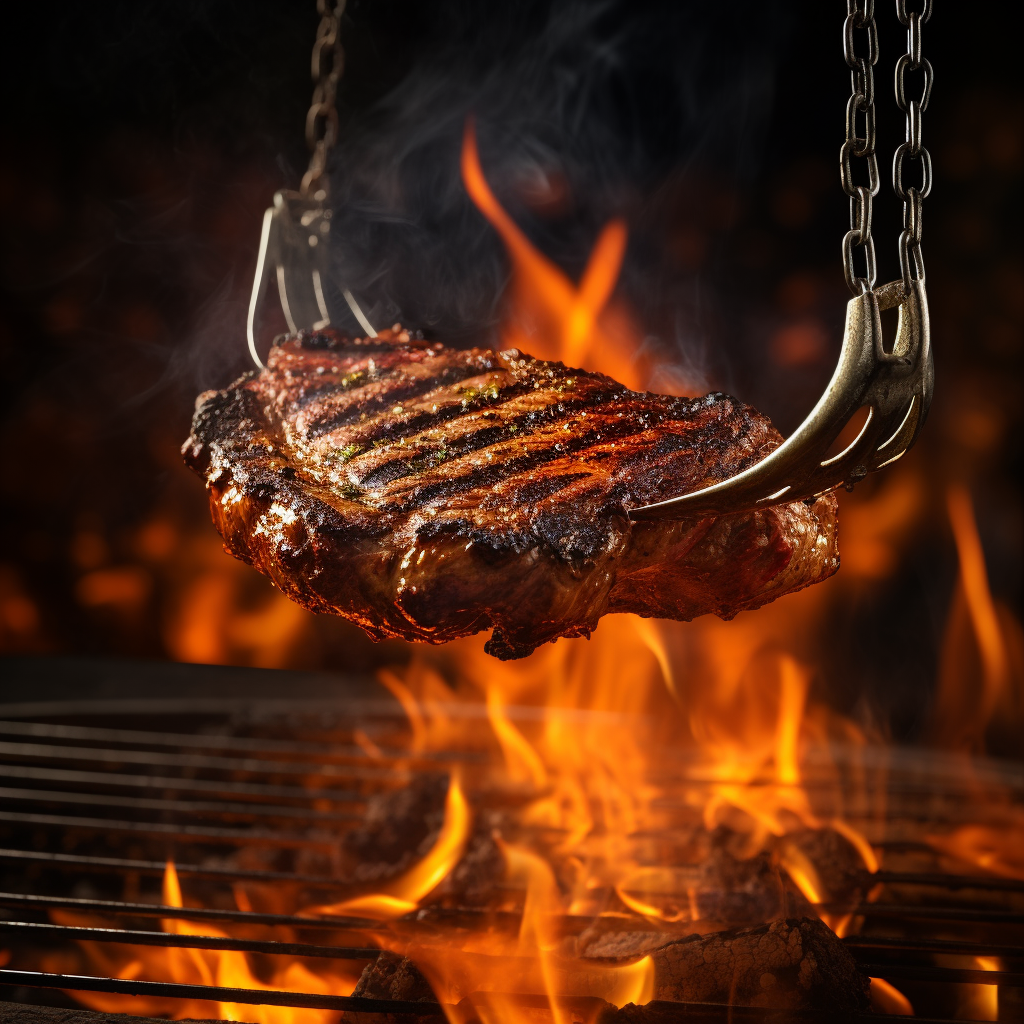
<point>222,764</point>
<point>191,833</point>
<point>118,909</point>
<point>199,741</point>
<point>948,975</point>
<point>260,997</point>
<point>214,741</point>
<point>906,972</point>
<point>118,865</point>
<point>909,912</point>
<point>180,784</point>
<point>200,807</point>
<point>934,946</point>
<point>695,1012</point>
<point>142,938</point>
<point>946,881</point>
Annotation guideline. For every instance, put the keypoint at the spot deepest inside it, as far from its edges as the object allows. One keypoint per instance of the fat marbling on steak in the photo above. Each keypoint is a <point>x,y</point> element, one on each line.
<point>427,492</point>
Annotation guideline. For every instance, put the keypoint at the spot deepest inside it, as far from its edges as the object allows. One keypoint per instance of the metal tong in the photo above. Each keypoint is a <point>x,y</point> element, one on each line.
<point>896,387</point>
<point>293,248</point>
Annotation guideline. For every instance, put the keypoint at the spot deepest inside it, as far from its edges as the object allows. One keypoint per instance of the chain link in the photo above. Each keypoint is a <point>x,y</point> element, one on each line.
<point>912,196</point>
<point>322,117</point>
<point>860,142</point>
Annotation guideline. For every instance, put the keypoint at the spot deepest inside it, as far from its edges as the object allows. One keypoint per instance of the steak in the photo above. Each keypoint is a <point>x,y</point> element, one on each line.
<point>427,492</point>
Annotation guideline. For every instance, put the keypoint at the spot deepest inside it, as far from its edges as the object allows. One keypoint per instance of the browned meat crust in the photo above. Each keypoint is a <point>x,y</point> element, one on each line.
<point>428,493</point>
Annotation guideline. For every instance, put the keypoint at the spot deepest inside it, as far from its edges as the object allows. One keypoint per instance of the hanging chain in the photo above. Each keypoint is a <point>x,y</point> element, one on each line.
<point>912,196</point>
<point>860,15</point>
<point>860,142</point>
<point>322,118</point>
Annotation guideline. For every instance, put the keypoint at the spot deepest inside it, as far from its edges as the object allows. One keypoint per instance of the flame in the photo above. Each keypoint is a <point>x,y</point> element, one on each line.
<point>404,894</point>
<point>540,932</point>
<point>887,998</point>
<point>965,711</point>
<point>223,968</point>
<point>963,715</point>
<point>984,999</point>
<point>550,317</point>
<point>999,850</point>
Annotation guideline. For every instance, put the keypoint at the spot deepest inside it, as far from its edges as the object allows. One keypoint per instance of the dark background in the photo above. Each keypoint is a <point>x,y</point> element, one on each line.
<point>143,141</point>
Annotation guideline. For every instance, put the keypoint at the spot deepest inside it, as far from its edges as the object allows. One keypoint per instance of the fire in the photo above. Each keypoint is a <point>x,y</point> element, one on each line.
<point>405,893</point>
<point>548,316</point>
<point>223,968</point>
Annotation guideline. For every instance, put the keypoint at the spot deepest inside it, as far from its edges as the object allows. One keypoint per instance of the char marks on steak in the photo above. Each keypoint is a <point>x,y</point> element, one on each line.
<point>428,493</point>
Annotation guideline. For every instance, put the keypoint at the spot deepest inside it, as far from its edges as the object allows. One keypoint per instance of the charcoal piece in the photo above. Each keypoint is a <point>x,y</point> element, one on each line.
<point>399,828</point>
<point>392,976</point>
<point>428,493</point>
<point>620,943</point>
<point>734,890</point>
<point>481,868</point>
<point>24,1013</point>
<point>840,867</point>
<point>797,963</point>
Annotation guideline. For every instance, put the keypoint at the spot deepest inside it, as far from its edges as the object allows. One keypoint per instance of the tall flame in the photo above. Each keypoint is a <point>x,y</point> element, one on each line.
<point>552,318</point>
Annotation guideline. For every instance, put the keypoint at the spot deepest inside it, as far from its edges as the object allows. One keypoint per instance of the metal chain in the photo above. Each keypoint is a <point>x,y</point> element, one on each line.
<point>860,16</point>
<point>322,118</point>
<point>912,196</point>
<point>860,142</point>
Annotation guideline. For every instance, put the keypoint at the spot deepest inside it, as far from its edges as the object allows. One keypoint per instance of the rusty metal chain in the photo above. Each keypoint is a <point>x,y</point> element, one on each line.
<point>912,196</point>
<point>860,143</point>
<point>322,118</point>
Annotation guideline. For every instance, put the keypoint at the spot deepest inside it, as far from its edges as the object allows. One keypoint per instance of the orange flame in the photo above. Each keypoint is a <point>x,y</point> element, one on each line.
<point>551,318</point>
<point>887,998</point>
<point>962,714</point>
<point>223,968</point>
<point>404,894</point>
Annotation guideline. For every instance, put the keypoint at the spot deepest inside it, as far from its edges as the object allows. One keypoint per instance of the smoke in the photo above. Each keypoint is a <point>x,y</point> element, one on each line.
<point>584,110</point>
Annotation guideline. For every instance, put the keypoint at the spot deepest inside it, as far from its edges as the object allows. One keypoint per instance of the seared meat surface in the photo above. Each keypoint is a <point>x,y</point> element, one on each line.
<point>427,493</point>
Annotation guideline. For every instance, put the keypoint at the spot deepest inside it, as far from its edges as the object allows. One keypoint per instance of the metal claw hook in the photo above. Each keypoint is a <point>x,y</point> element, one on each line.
<point>896,387</point>
<point>293,248</point>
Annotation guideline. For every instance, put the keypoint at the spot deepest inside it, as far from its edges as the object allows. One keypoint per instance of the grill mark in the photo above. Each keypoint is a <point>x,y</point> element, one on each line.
<point>529,424</point>
<point>384,428</point>
<point>402,391</point>
<point>358,376</point>
<point>516,428</point>
<point>536,490</point>
<point>424,462</point>
<point>506,469</point>
<point>604,402</point>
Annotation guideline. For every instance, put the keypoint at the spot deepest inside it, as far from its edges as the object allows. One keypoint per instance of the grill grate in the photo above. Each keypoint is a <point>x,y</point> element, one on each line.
<point>255,790</point>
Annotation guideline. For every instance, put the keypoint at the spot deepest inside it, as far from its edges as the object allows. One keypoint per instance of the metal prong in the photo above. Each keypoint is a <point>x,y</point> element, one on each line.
<point>895,386</point>
<point>358,313</point>
<point>259,285</point>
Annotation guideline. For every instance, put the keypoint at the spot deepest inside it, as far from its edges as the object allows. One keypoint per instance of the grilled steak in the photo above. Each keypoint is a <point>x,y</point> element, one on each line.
<point>428,493</point>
